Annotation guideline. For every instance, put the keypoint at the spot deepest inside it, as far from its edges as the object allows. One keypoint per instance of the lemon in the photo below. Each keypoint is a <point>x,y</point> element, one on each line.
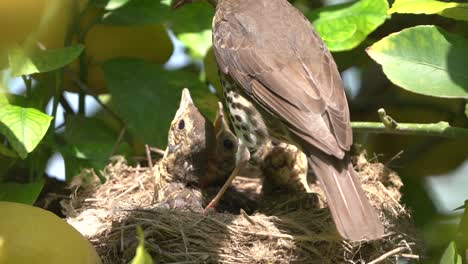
<point>30,234</point>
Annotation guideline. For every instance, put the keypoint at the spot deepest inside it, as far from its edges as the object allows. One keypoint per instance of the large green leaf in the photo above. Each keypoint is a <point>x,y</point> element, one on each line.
<point>450,255</point>
<point>426,60</point>
<point>147,96</point>
<point>448,9</point>
<point>26,193</point>
<point>192,26</point>
<point>24,127</point>
<point>89,144</point>
<point>24,62</point>
<point>136,12</point>
<point>343,27</point>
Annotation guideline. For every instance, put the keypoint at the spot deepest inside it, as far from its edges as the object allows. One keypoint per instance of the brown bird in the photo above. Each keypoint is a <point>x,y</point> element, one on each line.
<point>280,81</point>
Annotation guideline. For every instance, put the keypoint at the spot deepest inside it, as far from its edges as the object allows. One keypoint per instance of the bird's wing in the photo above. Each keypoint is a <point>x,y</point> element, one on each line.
<point>284,66</point>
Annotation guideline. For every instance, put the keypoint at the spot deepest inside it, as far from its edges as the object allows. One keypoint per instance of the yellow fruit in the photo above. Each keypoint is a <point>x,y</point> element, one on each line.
<point>43,21</point>
<point>29,234</point>
<point>104,42</point>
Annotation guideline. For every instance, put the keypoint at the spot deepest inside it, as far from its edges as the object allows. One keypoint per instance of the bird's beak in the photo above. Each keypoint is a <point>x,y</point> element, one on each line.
<point>178,3</point>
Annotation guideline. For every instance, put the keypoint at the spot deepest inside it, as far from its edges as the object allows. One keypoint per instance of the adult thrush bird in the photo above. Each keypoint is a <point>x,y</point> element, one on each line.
<point>280,81</point>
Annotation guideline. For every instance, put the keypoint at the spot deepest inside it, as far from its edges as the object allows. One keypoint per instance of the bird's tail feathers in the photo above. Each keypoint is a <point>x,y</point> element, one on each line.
<point>352,213</point>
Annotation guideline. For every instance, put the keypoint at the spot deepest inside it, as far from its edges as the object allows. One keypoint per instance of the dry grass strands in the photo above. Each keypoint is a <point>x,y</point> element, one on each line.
<point>284,230</point>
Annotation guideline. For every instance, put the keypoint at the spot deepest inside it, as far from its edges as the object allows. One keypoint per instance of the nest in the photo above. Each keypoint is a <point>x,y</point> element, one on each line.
<point>281,230</point>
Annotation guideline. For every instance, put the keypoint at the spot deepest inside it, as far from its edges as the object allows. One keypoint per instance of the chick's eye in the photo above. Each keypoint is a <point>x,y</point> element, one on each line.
<point>228,144</point>
<point>181,124</point>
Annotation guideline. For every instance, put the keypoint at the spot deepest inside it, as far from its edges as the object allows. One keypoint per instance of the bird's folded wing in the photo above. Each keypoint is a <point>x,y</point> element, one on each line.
<point>296,81</point>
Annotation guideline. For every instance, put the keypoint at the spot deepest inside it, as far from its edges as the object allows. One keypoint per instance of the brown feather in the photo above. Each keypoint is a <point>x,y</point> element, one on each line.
<point>354,217</point>
<point>287,63</point>
<point>280,63</point>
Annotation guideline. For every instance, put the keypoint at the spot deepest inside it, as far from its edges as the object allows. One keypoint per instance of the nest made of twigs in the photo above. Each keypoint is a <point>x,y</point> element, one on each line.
<point>279,231</point>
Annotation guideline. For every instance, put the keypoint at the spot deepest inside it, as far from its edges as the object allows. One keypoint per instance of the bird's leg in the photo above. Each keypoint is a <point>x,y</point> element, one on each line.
<point>242,158</point>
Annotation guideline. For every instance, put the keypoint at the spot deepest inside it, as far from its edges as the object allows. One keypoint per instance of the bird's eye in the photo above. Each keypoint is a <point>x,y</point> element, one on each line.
<point>181,124</point>
<point>228,144</point>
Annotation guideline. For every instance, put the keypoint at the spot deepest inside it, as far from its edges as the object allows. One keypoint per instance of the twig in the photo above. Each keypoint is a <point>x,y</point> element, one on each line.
<point>63,101</point>
<point>396,156</point>
<point>388,254</point>
<point>148,156</point>
<point>410,256</point>
<point>119,139</point>
<point>247,217</point>
<point>157,151</point>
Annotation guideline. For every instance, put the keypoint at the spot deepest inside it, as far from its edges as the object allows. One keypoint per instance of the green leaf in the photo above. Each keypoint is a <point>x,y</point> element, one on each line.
<point>13,99</point>
<point>147,96</point>
<point>192,26</point>
<point>198,43</point>
<point>20,193</point>
<point>450,255</point>
<point>90,144</point>
<point>466,110</point>
<point>343,27</point>
<point>24,62</point>
<point>136,12</point>
<point>425,60</point>
<point>23,127</point>
<point>114,4</point>
<point>447,9</point>
<point>7,152</point>
<point>141,255</point>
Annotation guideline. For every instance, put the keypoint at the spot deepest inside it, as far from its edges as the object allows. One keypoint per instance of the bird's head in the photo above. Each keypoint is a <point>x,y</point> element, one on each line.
<point>191,141</point>
<point>178,3</point>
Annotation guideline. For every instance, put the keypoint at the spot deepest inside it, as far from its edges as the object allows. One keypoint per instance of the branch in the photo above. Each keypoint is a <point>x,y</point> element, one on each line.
<point>441,129</point>
<point>390,126</point>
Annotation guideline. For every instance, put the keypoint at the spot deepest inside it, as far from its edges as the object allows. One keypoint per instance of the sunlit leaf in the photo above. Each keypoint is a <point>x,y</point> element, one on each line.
<point>345,26</point>
<point>26,193</point>
<point>136,12</point>
<point>448,9</point>
<point>198,43</point>
<point>192,26</point>
<point>23,127</point>
<point>141,255</point>
<point>24,62</point>
<point>114,4</point>
<point>147,96</point>
<point>450,255</point>
<point>426,60</point>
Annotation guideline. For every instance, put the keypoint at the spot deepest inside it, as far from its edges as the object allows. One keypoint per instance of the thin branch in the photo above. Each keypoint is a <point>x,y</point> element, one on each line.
<point>440,129</point>
<point>64,102</point>
<point>388,125</point>
<point>28,83</point>
<point>119,139</point>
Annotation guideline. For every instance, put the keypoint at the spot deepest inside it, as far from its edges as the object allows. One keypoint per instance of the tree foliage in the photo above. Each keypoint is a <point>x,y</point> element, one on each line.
<point>114,52</point>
